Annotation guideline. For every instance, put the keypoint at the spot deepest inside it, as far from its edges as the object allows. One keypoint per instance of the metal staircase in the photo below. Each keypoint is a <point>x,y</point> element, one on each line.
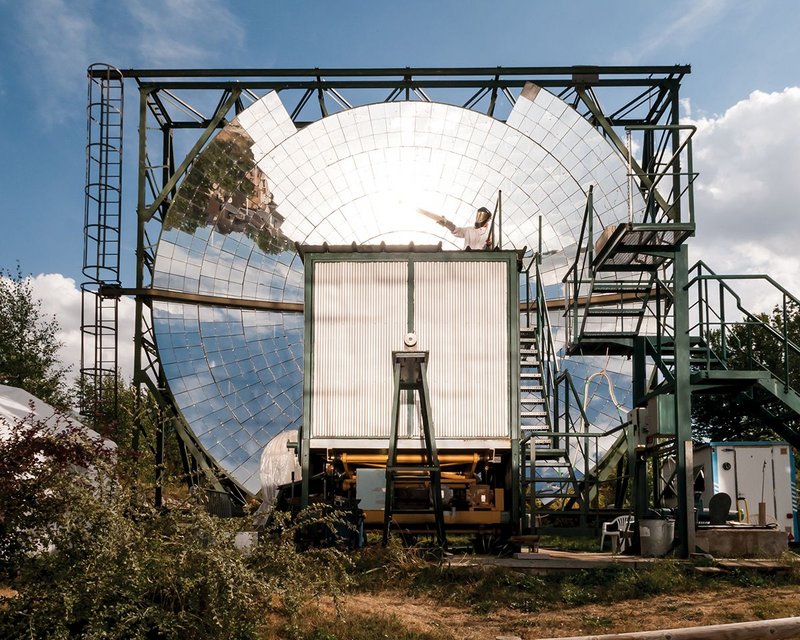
<point>741,353</point>
<point>625,296</point>
<point>630,292</point>
<point>548,478</point>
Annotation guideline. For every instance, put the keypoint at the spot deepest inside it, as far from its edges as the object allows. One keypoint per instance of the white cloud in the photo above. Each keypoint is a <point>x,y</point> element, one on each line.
<point>61,297</point>
<point>61,38</point>
<point>183,32</point>
<point>56,35</point>
<point>685,23</point>
<point>748,192</point>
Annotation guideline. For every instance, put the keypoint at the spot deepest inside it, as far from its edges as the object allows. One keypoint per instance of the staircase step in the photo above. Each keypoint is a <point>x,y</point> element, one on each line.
<point>531,389</point>
<point>533,414</point>
<point>543,454</point>
<point>395,510</point>
<point>530,375</point>
<point>613,312</point>
<point>621,287</point>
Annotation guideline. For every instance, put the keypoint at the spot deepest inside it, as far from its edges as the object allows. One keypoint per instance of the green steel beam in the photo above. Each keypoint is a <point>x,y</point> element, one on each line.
<point>584,71</point>
<point>148,212</point>
<point>165,295</point>
<point>608,129</point>
<point>683,405</point>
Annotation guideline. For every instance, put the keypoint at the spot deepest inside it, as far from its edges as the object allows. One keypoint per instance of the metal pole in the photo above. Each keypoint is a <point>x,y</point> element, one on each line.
<point>683,407</point>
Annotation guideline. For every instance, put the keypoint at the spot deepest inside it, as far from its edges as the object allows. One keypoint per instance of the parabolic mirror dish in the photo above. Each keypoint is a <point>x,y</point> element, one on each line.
<point>354,177</point>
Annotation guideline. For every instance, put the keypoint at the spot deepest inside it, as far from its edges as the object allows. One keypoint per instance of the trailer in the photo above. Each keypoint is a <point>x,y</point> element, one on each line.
<point>752,473</point>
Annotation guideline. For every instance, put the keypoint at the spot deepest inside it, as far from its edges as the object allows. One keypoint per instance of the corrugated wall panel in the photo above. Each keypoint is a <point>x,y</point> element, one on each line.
<point>359,318</point>
<point>461,318</point>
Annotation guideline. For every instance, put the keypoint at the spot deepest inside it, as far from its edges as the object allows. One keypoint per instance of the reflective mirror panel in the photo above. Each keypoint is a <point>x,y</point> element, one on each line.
<point>358,176</point>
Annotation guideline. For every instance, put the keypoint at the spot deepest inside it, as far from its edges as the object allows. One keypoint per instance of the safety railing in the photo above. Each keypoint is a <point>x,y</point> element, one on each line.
<point>575,283</point>
<point>662,163</point>
<point>738,338</point>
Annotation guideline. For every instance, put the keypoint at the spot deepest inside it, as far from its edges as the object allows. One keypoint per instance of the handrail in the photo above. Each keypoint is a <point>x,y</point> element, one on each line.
<point>572,293</point>
<point>548,357</point>
<point>655,177</point>
<point>749,319</point>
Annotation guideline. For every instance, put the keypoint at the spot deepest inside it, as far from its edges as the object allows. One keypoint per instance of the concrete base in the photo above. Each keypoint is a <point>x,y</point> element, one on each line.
<point>741,542</point>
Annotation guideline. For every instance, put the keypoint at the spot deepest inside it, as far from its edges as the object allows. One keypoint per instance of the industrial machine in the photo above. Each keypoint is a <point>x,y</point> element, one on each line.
<point>250,345</point>
<point>411,389</point>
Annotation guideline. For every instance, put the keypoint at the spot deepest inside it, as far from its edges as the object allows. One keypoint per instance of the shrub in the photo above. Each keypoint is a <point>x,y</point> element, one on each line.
<point>94,559</point>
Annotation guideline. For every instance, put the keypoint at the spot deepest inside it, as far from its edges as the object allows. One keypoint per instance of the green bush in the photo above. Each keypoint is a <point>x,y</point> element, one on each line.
<point>98,561</point>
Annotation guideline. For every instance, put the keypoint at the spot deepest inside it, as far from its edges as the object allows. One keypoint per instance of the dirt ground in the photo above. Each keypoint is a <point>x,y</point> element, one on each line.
<point>426,616</point>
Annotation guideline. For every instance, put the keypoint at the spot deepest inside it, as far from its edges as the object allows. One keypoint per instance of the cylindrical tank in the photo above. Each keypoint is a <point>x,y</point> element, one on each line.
<point>656,536</point>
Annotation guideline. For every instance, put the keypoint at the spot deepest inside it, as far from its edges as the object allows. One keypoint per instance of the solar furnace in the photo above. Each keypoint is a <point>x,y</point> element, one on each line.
<point>262,186</point>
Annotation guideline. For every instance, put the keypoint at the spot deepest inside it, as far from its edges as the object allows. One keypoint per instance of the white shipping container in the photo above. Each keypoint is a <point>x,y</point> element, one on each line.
<point>458,304</point>
<point>750,473</point>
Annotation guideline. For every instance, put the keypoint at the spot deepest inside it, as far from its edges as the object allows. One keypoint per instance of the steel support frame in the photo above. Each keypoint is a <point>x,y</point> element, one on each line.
<point>643,98</point>
<point>680,383</point>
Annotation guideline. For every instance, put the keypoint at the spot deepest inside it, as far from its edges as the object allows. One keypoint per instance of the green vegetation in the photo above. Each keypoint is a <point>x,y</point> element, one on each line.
<point>87,556</point>
<point>564,543</point>
<point>28,344</point>
<point>485,589</point>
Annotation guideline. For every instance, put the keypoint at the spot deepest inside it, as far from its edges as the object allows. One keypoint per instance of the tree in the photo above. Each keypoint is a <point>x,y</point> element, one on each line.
<point>37,462</point>
<point>28,343</point>
<point>751,346</point>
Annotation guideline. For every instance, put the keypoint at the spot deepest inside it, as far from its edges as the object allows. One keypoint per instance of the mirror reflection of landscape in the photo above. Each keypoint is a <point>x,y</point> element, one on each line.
<point>359,176</point>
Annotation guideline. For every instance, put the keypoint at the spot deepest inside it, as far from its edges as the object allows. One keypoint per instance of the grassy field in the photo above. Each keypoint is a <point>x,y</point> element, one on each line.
<point>402,593</point>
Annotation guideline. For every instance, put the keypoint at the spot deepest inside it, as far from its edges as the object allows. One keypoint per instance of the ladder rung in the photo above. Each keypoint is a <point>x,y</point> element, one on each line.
<point>533,414</point>
<point>530,375</point>
<point>528,389</point>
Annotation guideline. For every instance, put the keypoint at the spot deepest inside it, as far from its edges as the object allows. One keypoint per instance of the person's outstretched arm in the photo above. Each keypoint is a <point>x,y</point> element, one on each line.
<point>439,219</point>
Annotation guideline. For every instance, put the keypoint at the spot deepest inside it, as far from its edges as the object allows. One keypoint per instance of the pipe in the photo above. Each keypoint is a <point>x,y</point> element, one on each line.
<point>449,459</point>
<point>780,629</point>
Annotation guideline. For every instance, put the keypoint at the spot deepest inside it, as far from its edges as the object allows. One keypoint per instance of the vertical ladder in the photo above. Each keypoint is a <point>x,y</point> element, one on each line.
<point>410,374</point>
<point>101,246</point>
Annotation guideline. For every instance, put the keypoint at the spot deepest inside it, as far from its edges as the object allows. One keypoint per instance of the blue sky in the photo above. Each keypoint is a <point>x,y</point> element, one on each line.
<point>744,94</point>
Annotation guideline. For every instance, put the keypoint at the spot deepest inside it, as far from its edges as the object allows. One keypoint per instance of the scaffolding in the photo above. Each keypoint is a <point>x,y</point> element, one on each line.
<point>180,110</point>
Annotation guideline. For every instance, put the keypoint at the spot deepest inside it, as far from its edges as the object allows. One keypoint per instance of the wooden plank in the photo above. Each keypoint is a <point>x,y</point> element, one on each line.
<point>781,629</point>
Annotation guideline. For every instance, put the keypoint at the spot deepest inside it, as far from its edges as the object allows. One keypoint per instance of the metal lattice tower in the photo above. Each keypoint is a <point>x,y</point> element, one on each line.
<point>184,108</point>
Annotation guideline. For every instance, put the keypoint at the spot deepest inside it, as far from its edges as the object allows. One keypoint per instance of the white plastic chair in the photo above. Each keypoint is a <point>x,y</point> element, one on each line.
<point>616,529</point>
